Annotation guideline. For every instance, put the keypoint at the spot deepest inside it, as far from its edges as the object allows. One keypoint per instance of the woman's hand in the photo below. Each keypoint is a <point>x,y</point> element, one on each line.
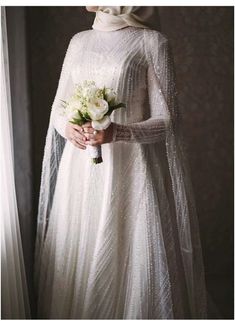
<point>74,133</point>
<point>100,137</point>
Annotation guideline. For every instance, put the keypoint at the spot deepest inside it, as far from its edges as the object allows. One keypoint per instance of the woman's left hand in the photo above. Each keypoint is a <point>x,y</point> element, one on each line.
<point>100,137</point>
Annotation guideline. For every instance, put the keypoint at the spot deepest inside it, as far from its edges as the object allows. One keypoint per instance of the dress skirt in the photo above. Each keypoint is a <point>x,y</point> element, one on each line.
<point>112,246</point>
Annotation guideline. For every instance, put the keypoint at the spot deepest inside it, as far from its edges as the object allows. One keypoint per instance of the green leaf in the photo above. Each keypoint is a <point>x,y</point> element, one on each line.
<point>112,108</point>
<point>86,116</point>
<point>77,121</point>
<point>105,98</point>
<point>119,105</point>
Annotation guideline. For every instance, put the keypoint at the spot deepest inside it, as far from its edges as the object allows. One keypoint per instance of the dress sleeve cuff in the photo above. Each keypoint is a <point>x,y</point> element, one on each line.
<point>121,133</point>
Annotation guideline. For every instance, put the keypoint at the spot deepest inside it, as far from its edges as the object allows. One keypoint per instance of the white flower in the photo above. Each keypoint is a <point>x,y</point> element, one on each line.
<point>97,108</point>
<point>74,104</point>
<point>72,109</point>
<point>89,91</point>
<point>110,94</point>
<point>102,123</point>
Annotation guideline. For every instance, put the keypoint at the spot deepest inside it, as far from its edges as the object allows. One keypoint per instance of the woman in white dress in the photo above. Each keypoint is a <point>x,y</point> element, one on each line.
<point>120,239</point>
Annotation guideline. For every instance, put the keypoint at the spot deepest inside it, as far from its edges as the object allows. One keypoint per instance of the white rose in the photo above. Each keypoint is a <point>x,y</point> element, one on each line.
<point>110,94</point>
<point>102,123</point>
<point>97,108</point>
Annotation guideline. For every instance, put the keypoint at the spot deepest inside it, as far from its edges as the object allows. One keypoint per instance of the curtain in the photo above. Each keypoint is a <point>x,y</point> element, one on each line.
<point>15,303</point>
<point>23,133</point>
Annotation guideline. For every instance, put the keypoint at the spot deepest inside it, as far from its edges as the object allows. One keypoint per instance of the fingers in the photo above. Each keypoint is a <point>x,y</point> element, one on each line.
<point>77,128</point>
<point>87,124</point>
<point>88,130</point>
<point>77,139</point>
<point>78,136</point>
<point>85,128</point>
<point>90,136</point>
<point>94,135</point>
<point>76,144</point>
<point>81,136</point>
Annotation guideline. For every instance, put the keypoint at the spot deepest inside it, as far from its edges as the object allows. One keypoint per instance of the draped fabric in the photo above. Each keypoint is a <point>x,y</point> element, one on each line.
<point>14,300</point>
<point>120,239</point>
<point>110,18</point>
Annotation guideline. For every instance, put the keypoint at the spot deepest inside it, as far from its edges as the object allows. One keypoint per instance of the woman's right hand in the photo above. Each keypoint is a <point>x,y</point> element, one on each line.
<point>74,133</point>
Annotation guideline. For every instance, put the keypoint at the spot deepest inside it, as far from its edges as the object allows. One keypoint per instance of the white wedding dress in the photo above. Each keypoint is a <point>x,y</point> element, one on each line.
<point>119,240</point>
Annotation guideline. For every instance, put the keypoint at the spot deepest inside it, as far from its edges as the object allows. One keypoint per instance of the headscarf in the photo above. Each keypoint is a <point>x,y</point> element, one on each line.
<point>116,17</point>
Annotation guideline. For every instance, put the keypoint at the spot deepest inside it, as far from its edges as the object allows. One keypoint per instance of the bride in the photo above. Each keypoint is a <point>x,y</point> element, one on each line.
<point>119,239</point>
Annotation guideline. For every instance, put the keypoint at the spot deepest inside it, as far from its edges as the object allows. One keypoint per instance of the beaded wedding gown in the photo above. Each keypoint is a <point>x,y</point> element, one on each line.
<point>120,239</point>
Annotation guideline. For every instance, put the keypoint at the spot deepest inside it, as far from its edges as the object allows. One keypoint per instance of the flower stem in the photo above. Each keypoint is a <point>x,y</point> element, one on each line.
<point>97,160</point>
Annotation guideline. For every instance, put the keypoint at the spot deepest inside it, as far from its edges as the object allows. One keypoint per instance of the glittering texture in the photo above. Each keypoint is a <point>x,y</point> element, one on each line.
<point>120,240</point>
<point>153,129</point>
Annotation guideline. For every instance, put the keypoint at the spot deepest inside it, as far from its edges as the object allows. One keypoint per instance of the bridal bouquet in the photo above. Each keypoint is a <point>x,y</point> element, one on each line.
<point>90,103</point>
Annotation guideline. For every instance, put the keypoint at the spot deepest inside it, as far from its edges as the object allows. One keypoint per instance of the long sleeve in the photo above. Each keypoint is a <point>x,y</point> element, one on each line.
<point>160,78</point>
<point>64,90</point>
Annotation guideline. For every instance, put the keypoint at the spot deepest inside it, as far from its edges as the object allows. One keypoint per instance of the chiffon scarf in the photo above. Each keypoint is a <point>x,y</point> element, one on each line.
<point>116,17</point>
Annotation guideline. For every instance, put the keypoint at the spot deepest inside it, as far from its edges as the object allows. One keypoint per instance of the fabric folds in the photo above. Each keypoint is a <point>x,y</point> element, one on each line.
<point>120,239</point>
<point>114,18</point>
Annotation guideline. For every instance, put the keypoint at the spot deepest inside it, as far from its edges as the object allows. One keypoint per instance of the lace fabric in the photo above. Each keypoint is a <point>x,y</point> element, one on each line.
<point>140,236</point>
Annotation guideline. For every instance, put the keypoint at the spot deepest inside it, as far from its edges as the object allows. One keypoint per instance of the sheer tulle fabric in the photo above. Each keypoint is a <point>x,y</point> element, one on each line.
<point>120,239</point>
<point>14,300</point>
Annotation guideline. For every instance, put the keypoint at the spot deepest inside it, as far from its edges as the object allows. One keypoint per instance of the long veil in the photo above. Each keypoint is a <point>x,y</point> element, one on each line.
<point>202,305</point>
<point>184,203</point>
<point>52,154</point>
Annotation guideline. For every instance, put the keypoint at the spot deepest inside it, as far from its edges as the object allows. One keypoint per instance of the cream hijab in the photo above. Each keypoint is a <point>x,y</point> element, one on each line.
<point>114,17</point>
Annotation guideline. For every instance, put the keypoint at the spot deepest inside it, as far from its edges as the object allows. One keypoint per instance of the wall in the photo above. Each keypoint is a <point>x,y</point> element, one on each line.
<point>202,41</point>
